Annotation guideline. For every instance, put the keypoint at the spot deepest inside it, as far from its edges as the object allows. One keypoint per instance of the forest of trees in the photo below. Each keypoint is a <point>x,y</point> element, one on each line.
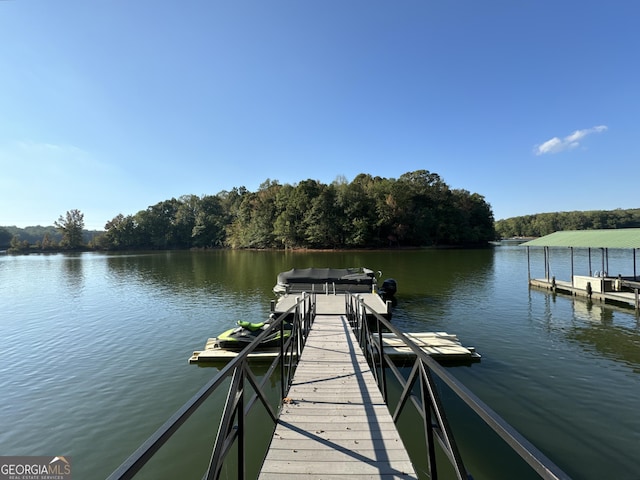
<point>30,235</point>
<point>542,224</point>
<point>416,209</point>
<point>67,233</point>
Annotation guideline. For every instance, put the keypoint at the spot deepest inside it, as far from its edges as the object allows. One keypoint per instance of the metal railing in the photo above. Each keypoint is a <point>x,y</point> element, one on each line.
<point>368,327</point>
<point>231,429</point>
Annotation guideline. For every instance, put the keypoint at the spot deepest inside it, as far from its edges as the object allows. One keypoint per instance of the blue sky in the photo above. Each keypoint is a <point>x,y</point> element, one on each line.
<point>111,106</point>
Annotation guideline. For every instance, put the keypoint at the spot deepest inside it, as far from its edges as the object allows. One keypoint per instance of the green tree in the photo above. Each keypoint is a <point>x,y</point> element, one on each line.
<point>427,197</point>
<point>230,201</point>
<point>71,226</point>
<point>359,210</point>
<point>184,221</point>
<point>474,219</point>
<point>253,224</point>
<point>544,223</point>
<point>47,243</point>
<point>293,205</point>
<point>121,233</point>
<point>157,227</point>
<point>286,225</point>
<point>299,208</point>
<point>5,237</point>
<point>321,223</point>
<point>210,223</point>
<point>17,245</point>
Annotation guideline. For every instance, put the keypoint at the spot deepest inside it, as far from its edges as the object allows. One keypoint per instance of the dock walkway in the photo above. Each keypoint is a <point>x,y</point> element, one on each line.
<point>334,423</point>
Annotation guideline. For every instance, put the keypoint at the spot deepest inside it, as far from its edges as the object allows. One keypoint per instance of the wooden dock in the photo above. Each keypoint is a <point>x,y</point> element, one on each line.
<point>442,346</point>
<point>334,304</point>
<point>605,295</point>
<point>334,423</point>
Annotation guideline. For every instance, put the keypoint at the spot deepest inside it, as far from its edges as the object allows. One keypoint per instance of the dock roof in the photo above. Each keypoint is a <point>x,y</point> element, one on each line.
<point>612,238</point>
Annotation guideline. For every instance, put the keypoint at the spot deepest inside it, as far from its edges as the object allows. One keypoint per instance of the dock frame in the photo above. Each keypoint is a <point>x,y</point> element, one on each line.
<point>619,290</point>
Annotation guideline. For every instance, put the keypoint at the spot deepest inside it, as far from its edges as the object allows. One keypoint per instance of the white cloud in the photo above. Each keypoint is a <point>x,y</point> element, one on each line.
<point>555,144</point>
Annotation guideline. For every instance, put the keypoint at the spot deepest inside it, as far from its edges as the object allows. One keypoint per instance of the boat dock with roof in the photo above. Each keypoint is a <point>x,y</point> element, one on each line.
<point>621,289</point>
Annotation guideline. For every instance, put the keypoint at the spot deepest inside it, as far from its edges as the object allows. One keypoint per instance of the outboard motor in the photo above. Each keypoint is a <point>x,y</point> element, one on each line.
<point>388,291</point>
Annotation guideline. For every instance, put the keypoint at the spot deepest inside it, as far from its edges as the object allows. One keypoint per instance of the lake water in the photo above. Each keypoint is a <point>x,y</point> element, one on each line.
<point>94,349</point>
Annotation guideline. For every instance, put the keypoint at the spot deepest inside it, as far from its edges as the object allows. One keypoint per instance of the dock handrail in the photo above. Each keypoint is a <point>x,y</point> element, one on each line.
<point>428,405</point>
<point>231,427</point>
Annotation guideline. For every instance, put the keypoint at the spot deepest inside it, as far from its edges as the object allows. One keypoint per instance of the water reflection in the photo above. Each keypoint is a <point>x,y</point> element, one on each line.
<point>597,331</point>
<point>73,273</point>
<point>183,272</point>
<point>601,329</point>
<point>585,309</point>
<point>616,343</point>
<point>563,372</point>
<point>431,275</point>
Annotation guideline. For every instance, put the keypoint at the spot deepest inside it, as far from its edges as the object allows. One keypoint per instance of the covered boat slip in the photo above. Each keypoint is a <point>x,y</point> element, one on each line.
<point>335,423</point>
<point>596,282</point>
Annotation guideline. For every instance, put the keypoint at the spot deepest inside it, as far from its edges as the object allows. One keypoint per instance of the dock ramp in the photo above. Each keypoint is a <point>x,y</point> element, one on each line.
<point>334,423</point>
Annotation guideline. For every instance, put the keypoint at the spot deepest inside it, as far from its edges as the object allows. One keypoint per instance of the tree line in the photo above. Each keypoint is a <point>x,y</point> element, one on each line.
<point>67,233</point>
<point>542,224</point>
<point>417,209</point>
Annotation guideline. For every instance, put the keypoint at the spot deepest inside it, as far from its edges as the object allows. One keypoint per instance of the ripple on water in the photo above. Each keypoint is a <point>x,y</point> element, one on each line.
<point>96,351</point>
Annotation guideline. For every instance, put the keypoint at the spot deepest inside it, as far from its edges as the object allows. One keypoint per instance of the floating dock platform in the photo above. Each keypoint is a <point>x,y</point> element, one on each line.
<point>211,354</point>
<point>441,346</point>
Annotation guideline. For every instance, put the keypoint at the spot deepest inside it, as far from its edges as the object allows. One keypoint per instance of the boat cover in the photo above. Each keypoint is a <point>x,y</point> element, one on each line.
<point>339,276</point>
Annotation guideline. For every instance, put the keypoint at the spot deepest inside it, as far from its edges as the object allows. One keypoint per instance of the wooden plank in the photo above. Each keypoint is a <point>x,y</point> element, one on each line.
<point>361,466</point>
<point>296,476</point>
<point>345,455</point>
<point>338,439</point>
<point>440,345</point>
<point>335,424</point>
<point>365,418</point>
<point>334,408</point>
<point>332,304</point>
